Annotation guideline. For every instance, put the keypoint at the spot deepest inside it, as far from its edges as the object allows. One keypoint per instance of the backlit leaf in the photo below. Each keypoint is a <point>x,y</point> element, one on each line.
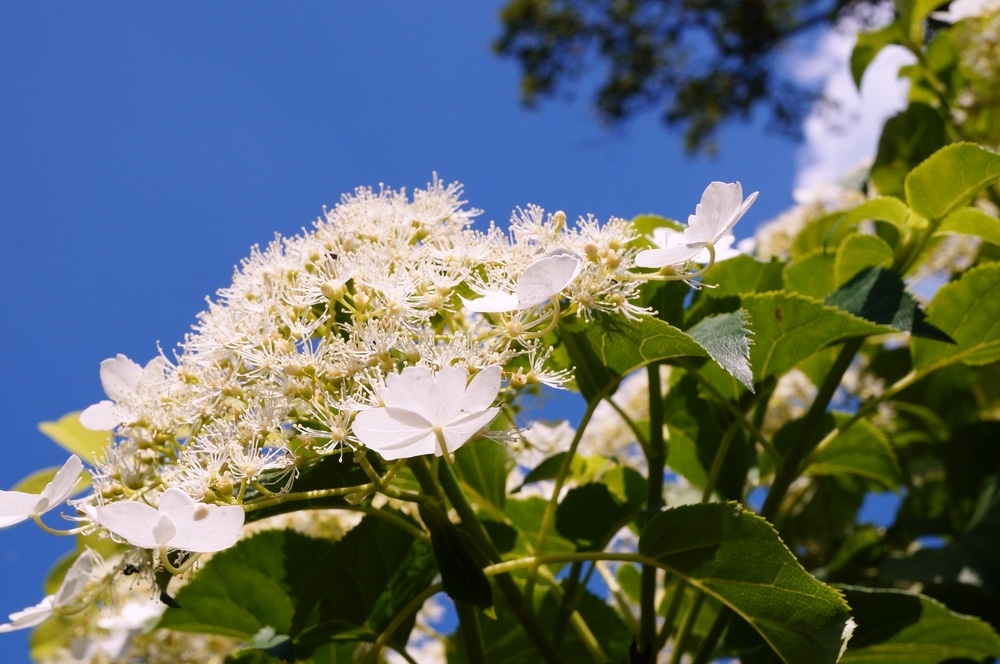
<point>896,627</point>
<point>949,178</point>
<point>968,310</point>
<point>738,558</point>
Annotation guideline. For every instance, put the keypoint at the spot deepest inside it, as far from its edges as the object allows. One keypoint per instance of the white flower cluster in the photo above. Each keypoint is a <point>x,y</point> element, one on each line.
<point>391,325</point>
<point>312,327</point>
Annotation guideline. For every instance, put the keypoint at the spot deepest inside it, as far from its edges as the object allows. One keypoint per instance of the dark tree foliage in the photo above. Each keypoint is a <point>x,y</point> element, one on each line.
<point>698,62</point>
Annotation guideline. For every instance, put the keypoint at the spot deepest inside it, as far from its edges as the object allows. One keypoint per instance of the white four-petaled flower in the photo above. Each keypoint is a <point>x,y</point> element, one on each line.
<point>539,282</point>
<point>16,506</point>
<point>721,206</point>
<point>423,411</point>
<point>178,523</point>
<point>120,378</point>
<point>73,585</point>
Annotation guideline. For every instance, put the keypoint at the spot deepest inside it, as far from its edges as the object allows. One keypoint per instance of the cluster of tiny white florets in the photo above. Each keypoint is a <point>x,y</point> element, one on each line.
<point>304,338</point>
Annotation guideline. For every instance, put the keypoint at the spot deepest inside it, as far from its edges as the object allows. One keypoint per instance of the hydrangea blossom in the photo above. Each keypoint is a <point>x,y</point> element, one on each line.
<point>72,587</point>
<point>541,281</point>
<point>17,506</point>
<point>178,523</point>
<point>721,206</point>
<point>121,378</point>
<point>429,413</point>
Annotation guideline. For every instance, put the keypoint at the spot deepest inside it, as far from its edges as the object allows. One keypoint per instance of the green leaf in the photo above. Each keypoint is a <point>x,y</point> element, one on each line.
<point>897,627</point>
<point>858,252</point>
<point>971,221</point>
<point>741,274</point>
<point>968,310</point>
<point>526,515</point>
<point>880,296</point>
<point>788,328</point>
<point>825,233</point>
<point>908,138</point>
<point>645,224</point>
<point>738,558</point>
<point>255,584</point>
<point>949,178</point>
<point>727,340</point>
<point>590,515</point>
<point>506,641</point>
<point>881,208</point>
<point>868,46</point>
<point>461,574</point>
<point>608,348</point>
<point>860,450</point>
<point>483,467</point>
<point>811,274</point>
<point>309,589</point>
<point>73,437</point>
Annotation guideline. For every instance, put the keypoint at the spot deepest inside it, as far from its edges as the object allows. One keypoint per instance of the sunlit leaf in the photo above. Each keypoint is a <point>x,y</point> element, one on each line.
<point>968,310</point>
<point>859,252</point>
<point>738,558</point>
<point>971,221</point>
<point>949,178</point>
<point>727,339</point>
<point>881,208</point>
<point>908,138</point>
<point>789,328</point>
<point>811,274</point>
<point>868,45</point>
<point>73,437</point>
<point>607,349</point>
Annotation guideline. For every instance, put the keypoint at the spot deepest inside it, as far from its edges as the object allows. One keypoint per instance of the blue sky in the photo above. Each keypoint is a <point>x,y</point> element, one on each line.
<point>144,147</point>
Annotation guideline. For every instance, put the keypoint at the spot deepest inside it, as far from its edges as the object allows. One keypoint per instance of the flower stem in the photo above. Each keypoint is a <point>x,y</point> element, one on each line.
<point>656,459</point>
<point>521,609</point>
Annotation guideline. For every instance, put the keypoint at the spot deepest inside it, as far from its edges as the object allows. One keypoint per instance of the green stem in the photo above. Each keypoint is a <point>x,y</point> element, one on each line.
<point>521,608</point>
<point>675,606</point>
<point>727,404</point>
<point>806,439</point>
<point>411,607</point>
<point>468,619</point>
<point>549,516</point>
<point>720,457</point>
<point>680,644</point>
<point>656,459</point>
<point>720,624</point>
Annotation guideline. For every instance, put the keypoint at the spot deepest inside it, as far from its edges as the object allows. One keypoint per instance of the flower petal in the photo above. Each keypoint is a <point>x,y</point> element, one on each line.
<point>394,432</point>
<point>15,507</point>
<point>62,485</point>
<point>119,377</point>
<point>101,416</point>
<point>461,431</point>
<point>657,258</point>
<point>482,389</point>
<point>546,277</point>
<point>31,616</point>
<point>131,521</point>
<point>200,527</point>
<point>492,302</point>
<point>721,206</point>
<point>76,579</point>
